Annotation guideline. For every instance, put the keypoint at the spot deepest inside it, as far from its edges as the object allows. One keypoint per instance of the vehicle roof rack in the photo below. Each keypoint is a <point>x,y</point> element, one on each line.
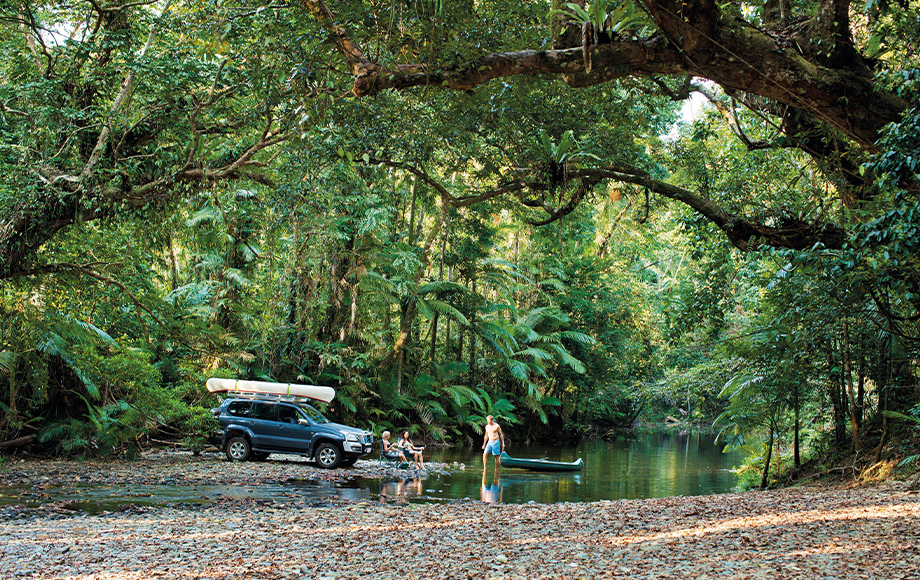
<point>267,397</point>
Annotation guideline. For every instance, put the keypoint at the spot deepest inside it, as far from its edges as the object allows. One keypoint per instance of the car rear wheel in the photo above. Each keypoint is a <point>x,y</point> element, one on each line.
<point>328,456</point>
<point>238,449</point>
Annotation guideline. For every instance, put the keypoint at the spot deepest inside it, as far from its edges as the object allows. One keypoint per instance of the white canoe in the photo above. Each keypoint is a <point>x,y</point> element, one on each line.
<point>231,386</point>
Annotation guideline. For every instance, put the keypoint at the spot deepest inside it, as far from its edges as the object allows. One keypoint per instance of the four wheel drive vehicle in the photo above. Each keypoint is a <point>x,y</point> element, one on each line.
<point>254,427</point>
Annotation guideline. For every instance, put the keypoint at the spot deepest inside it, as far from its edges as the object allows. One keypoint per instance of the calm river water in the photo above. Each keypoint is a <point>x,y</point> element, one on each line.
<point>645,466</point>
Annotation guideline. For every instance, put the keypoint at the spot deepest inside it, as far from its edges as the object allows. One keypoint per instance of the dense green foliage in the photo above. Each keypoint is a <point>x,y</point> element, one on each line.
<point>187,190</point>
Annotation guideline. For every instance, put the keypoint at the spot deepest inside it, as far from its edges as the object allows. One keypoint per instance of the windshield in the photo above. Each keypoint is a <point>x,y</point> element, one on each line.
<point>312,413</point>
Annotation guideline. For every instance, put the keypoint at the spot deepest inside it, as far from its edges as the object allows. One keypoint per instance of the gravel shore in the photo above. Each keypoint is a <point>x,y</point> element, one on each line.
<point>792,533</point>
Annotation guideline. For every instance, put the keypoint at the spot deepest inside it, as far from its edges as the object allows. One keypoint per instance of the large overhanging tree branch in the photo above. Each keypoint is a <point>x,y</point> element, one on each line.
<point>743,232</point>
<point>697,38</point>
<point>808,67</point>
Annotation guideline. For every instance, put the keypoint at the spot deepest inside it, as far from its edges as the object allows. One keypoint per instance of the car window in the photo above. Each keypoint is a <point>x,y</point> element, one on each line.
<point>240,408</point>
<point>265,411</point>
<point>288,414</point>
<point>312,413</point>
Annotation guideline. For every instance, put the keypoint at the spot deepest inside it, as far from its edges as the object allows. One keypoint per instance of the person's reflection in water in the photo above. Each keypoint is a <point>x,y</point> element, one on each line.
<point>400,490</point>
<point>388,489</point>
<point>490,493</point>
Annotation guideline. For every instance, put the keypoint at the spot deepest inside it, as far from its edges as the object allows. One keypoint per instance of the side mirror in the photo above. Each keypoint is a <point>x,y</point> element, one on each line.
<point>302,422</point>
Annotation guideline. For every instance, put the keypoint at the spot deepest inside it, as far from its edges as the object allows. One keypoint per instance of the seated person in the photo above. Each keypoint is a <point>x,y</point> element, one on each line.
<point>405,443</point>
<point>391,451</point>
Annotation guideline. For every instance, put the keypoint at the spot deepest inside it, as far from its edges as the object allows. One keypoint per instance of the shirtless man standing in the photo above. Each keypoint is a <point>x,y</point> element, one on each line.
<point>493,443</point>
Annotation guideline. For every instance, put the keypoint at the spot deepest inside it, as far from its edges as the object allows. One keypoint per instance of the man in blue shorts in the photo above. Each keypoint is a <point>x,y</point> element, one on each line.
<point>493,443</point>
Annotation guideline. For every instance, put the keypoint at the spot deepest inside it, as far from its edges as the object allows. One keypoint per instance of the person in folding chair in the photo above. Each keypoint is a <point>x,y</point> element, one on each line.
<point>389,451</point>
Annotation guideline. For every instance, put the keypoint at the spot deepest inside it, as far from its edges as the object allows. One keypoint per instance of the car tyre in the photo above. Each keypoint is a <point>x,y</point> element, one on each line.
<point>238,449</point>
<point>328,456</point>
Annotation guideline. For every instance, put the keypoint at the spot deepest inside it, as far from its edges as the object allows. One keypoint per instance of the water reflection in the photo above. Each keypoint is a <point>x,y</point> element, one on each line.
<point>643,466</point>
<point>400,489</point>
<point>490,493</point>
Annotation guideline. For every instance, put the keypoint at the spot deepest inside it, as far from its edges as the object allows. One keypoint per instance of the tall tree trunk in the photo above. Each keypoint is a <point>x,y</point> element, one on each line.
<point>338,310</point>
<point>882,385</point>
<point>434,321</point>
<point>835,391</point>
<point>450,278</point>
<point>776,12</point>
<point>173,263</point>
<point>411,228</point>
<point>401,345</point>
<point>12,409</point>
<point>410,303</point>
<point>848,378</point>
<point>473,382</point>
<point>346,333</point>
<point>860,387</point>
<point>766,463</point>
<point>796,458</point>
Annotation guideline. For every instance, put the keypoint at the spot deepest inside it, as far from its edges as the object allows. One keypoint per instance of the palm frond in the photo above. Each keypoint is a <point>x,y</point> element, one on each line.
<point>535,353</point>
<point>738,384</point>
<point>578,337</point>
<point>8,361</point>
<point>442,286</point>
<point>446,309</point>
<point>94,330</point>
<point>519,370</point>
<point>378,282</point>
<point>207,214</point>
<point>461,394</point>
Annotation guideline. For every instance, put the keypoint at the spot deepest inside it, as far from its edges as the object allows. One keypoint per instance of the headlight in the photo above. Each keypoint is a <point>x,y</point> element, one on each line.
<point>351,437</point>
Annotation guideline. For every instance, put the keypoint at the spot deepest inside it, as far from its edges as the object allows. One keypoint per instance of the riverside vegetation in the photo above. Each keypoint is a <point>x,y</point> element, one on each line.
<point>453,210</point>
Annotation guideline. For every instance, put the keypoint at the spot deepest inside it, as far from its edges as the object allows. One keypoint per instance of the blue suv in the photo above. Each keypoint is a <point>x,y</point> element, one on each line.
<point>253,428</point>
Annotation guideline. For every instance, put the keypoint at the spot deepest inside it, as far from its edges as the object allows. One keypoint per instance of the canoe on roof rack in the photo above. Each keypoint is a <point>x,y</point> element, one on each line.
<point>232,387</point>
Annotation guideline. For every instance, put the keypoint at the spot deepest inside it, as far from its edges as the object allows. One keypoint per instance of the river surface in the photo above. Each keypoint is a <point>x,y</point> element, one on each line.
<point>646,465</point>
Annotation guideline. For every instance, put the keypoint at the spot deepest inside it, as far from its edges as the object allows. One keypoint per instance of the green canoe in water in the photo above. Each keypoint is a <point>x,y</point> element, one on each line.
<point>540,464</point>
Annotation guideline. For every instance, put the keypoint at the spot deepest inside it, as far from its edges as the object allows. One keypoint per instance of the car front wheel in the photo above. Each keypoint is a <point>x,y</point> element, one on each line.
<point>238,449</point>
<point>328,456</point>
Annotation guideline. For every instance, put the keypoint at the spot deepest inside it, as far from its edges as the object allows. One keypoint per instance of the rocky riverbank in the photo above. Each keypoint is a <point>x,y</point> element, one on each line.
<point>793,533</point>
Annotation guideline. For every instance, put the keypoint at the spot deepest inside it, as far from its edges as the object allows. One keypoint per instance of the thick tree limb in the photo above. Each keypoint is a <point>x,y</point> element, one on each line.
<point>743,234</point>
<point>30,225</point>
<point>359,64</point>
<point>26,116</point>
<point>121,99</point>
<point>730,115</point>
<point>697,38</point>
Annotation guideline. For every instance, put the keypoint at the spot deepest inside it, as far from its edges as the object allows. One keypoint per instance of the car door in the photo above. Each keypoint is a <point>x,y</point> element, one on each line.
<point>238,414</point>
<point>294,436</point>
<point>264,427</point>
